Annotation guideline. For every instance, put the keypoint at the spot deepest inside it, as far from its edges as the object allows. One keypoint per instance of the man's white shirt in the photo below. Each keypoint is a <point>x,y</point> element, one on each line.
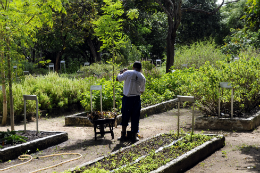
<point>134,82</point>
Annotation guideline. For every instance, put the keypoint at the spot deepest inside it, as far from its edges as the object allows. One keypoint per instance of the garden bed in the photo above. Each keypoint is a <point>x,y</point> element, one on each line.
<point>43,140</point>
<point>81,119</point>
<point>246,123</point>
<point>162,153</point>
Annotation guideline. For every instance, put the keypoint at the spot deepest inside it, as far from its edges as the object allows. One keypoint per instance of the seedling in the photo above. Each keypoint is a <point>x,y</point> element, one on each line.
<point>224,153</point>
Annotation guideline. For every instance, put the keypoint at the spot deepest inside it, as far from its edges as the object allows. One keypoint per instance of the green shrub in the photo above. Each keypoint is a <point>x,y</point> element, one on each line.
<point>197,54</point>
<point>243,76</point>
<point>240,40</point>
<point>51,90</point>
<point>99,70</point>
<point>107,96</point>
<point>147,65</point>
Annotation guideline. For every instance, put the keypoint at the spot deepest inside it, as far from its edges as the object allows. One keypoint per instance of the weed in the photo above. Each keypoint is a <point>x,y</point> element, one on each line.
<point>224,153</point>
<point>202,164</point>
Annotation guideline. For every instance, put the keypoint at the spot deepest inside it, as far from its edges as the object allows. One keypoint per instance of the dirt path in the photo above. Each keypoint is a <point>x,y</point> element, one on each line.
<point>240,154</point>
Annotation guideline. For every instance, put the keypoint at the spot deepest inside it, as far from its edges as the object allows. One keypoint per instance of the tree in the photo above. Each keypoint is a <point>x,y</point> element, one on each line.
<point>231,14</point>
<point>19,20</point>
<point>174,10</point>
<point>68,31</point>
<point>199,26</point>
<point>148,31</point>
<point>109,29</point>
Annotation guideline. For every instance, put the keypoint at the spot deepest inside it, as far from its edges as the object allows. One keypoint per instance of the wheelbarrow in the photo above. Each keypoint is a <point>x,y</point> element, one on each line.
<point>101,124</point>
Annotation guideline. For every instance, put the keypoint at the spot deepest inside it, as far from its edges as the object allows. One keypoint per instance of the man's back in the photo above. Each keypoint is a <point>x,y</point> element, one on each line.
<point>134,82</point>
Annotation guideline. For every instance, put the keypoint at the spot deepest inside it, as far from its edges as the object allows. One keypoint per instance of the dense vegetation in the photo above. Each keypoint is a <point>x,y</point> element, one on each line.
<point>207,41</point>
<point>206,68</point>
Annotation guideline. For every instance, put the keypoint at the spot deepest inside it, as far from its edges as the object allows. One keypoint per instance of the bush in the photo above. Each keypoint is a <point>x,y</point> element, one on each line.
<point>197,54</point>
<point>243,75</point>
<point>107,96</point>
<point>100,70</point>
<point>147,65</point>
<point>240,40</point>
<point>51,90</point>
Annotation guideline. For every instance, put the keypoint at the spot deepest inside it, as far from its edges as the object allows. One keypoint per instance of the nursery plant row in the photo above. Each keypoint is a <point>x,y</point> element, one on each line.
<point>147,156</point>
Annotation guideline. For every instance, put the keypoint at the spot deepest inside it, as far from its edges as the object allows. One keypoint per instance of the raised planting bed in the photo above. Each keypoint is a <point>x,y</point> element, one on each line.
<point>81,119</point>
<point>162,153</point>
<point>246,123</point>
<point>34,142</point>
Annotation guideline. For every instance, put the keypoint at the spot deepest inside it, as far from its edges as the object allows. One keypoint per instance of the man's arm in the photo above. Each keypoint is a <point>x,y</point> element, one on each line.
<point>121,72</point>
<point>142,87</point>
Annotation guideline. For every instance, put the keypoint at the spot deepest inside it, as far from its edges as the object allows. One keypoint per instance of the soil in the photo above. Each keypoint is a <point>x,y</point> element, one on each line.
<point>29,136</point>
<point>240,154</point>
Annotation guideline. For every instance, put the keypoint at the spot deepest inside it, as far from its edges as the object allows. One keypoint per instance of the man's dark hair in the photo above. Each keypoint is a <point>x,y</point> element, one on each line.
<point>137,65</point>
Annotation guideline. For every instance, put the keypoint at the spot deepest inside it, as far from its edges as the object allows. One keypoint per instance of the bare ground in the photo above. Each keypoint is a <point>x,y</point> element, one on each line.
<point>240,154</point>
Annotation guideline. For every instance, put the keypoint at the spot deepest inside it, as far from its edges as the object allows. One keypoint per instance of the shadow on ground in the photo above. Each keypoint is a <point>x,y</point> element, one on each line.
<point>253,161</point>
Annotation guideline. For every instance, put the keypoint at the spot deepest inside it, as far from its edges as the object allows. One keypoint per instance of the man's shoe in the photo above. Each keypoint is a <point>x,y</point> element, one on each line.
<point>135,138</point>
<point>123,136</point>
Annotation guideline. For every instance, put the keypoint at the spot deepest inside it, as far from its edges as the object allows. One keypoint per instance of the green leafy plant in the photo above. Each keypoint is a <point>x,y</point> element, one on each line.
<point>11,137</point>
<point>121,162</point>
<point>196,54</point>
<point>240,40</point>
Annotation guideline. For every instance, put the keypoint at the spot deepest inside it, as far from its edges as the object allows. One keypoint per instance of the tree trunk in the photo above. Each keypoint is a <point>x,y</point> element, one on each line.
<point>170,46</point>
<point>99,53</point>
<point>92,49</point>
<point>57,61</point>
<point>32,59</point>
<point>174,22</point>
<point>2,68</point>
<point>3,90</point>
<point>4,99</point>
<point>10,86</point>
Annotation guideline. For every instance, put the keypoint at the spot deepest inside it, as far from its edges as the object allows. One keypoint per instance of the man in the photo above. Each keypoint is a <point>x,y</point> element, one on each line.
<point>134,86</point>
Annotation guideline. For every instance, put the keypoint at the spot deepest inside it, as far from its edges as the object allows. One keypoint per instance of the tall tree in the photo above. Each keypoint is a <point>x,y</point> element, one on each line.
<point>19,20</point>
<point>174,10</point>
<point>199,26</point>
<point>109,29</point>
<point>69,30</point>
<point>148,31</point>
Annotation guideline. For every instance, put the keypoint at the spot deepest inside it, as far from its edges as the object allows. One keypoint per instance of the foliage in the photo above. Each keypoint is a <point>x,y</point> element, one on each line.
<point>147,65</point>
<point>73,64</point>
<point>148,31</point>
<point>51,90</point>
<point>11,137</point>
<point>107,96</point>
<point>109,26</point>
<point>252,16</point>
<point>32,67</point>
<point>231,14</point>
<point>195,27</point>
<point>99,70</point>
<point>201,80</point>
<point>240,40</point>
<point>243,75</point>
<point>68,33</point>
<point>197,54</point>
<point>130,53</point>
<point>150,154</point>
